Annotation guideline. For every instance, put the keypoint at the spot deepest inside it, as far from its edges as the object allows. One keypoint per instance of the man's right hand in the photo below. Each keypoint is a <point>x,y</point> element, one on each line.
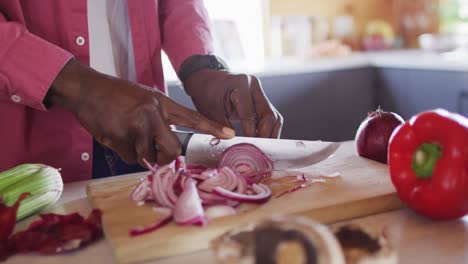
<point>127,117</point>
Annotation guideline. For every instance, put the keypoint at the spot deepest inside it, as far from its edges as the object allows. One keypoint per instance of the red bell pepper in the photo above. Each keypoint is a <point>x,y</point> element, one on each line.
<point>428,161</point>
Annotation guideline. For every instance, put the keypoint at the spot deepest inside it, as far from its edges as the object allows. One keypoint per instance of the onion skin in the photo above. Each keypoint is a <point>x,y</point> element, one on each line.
<point>373,134</point>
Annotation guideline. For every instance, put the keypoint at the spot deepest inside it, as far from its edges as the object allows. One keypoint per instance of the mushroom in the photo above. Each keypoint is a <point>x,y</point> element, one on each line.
<point>280,240</point>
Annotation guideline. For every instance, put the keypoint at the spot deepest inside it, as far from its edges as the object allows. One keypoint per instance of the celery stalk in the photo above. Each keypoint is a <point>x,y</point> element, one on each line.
<point>17,174</point>
<point>37,203</point>
<point>44,184</point>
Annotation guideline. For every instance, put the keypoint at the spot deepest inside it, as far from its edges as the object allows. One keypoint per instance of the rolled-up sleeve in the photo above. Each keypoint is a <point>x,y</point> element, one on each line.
<point>185,30</point>
<point>28,65</point>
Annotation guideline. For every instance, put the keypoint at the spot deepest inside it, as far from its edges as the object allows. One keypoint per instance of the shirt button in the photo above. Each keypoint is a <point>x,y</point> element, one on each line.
<point>85,156</point>
<point>80,41</point>
<point>16,98</point>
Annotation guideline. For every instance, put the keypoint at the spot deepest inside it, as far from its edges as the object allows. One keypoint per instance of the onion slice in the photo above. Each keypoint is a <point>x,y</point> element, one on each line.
<point>144,230</point>
<point>188,208</point>
<point>245,158</point>
<point>210,198</point>
<point>262,194</point>
<point>225,178</point>
<point>142,191</point>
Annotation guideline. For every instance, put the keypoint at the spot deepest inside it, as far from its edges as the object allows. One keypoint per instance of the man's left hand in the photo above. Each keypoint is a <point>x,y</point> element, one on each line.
<point>223,97</point>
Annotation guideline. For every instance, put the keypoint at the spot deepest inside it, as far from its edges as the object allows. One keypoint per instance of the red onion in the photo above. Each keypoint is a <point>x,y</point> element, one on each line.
<point>179,163</point>
<point>185,188</point>
<point>170,188</point>
<point>195,167</point>
<point>262,194</point>
<point>210,198</point>
<point>142,191</point>
<point>161,183</point>
<point>241,184</point>
<point>244,158</point>
<point>225,178</point>
<point>149,167</point>
<point>374,134</point>
<point>144,230</point>
<point>188,208</point>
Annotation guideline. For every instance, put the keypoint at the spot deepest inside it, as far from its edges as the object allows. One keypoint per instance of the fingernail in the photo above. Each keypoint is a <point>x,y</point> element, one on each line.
<point>229,132</point>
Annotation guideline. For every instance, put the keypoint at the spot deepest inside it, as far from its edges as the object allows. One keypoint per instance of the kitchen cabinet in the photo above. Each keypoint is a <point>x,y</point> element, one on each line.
<point>409,91</point>
<point>330,104</point>
<point>326,105</point>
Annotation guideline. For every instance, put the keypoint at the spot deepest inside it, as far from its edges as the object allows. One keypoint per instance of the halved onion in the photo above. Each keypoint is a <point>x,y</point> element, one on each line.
<point>245,158</point>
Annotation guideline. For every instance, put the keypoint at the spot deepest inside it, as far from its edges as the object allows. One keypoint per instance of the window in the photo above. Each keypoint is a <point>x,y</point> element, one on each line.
<point>238,34</point>
<point>454,16</point>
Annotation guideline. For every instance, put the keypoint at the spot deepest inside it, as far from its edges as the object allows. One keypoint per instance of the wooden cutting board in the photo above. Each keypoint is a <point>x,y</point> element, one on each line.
<point>363,188</point>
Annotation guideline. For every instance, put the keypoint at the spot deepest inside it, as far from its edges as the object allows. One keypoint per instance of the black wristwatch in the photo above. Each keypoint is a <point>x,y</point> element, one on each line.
<point>197,62</point>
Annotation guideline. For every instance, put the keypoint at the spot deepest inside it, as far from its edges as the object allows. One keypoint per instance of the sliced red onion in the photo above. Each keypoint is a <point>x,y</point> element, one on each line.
<point>141,191</point>
<point>244,158</point>
<point>175,186</point>
<point>188,208</point>
<point>210,198</point>
<point>233,204</point>
<point>225,178</point>
<point>179,163</point>
<point>160,184</point>
<point>217,211</point>
<point>197,177</point>
<point>241,184</point>
<point>171,188</point>
<point>152,168</point>
<point>144,230</point>
<point>262,194</point>
<point>255,176</point>
<point>195,167</point>
<point>209,173</point>
<point>168,187</point>
<point>198,221</point>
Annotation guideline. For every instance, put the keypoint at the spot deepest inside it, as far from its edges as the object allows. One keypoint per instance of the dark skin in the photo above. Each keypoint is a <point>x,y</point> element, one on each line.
<point>130,118</point>
<point>223,96</point>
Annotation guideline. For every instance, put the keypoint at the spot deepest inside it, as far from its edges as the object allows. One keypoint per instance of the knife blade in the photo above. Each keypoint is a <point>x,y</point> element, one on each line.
<point>285,153</point>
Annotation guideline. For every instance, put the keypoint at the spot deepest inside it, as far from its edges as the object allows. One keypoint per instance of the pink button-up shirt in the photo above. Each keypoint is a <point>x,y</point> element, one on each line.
<point>37,38</point>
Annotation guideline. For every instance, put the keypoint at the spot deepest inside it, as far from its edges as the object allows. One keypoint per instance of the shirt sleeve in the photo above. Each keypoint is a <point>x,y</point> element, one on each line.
<point>185,30</point>
<point>28,65</point>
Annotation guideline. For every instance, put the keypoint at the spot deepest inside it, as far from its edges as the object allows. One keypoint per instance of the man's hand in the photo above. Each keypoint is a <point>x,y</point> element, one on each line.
<point>222,96</point>
<point>127,117</point>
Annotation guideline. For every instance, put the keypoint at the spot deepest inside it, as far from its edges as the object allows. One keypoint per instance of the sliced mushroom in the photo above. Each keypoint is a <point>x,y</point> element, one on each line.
<point>363,245</point>
<point>279,241</point>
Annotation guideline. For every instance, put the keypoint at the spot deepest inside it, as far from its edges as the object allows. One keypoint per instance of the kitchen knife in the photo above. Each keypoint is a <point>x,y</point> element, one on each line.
<point>285,153</point>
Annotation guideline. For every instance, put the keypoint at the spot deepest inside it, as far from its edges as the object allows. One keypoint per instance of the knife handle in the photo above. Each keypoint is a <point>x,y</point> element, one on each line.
<point>183,137</point>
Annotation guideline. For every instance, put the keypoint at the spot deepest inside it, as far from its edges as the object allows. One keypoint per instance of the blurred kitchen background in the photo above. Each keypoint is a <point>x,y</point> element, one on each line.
<point>324,64</point>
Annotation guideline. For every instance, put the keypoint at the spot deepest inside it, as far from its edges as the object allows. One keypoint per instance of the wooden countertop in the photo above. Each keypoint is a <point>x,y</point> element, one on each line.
<point>416,239</point>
